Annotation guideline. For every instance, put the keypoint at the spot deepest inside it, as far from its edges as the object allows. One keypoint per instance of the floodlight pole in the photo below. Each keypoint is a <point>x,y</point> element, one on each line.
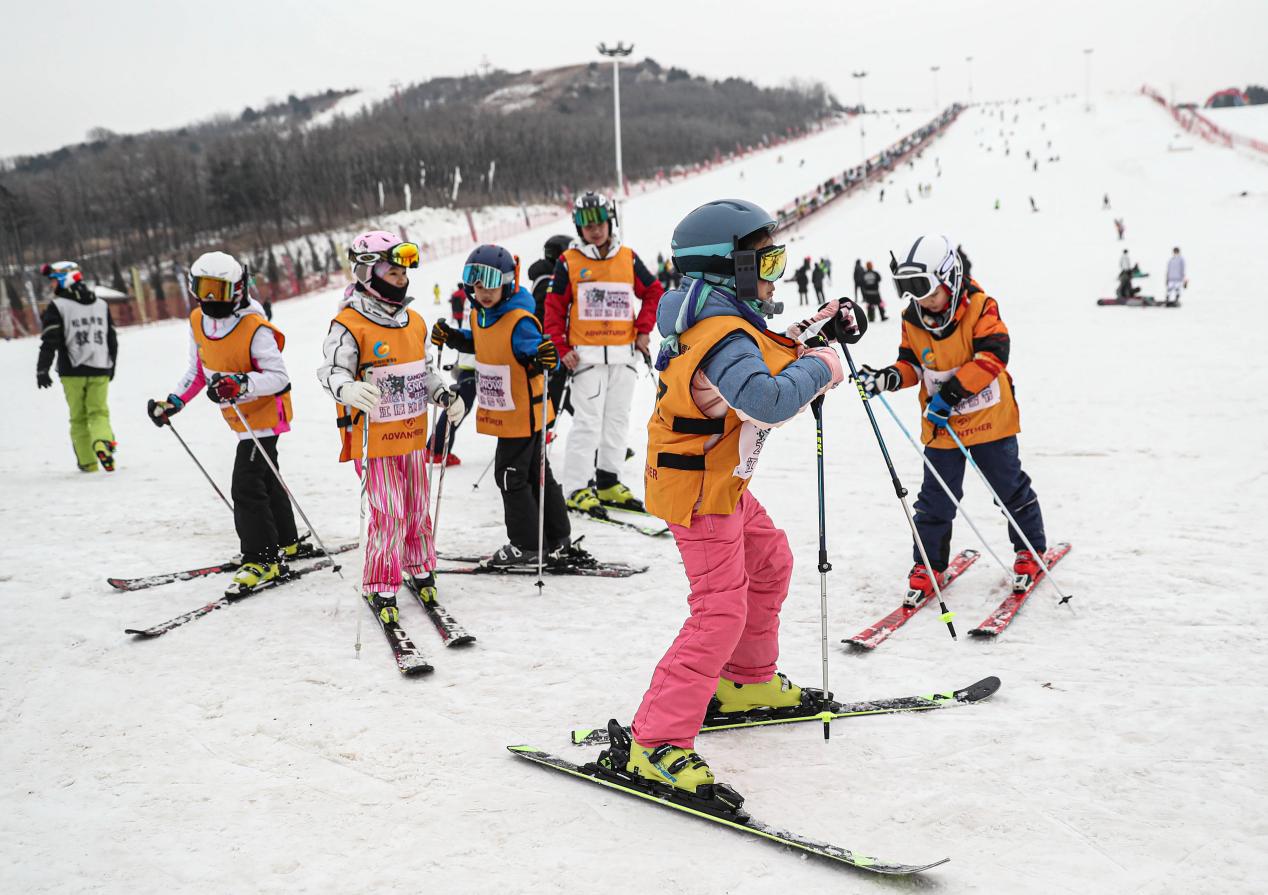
<point>616,54</point>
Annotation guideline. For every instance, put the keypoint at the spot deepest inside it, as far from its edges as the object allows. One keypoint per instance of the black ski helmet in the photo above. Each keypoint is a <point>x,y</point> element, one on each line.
<point>556,246</point>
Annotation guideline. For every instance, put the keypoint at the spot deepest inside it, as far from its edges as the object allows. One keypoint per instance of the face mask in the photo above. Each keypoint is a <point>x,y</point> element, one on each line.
<point>217,310</point>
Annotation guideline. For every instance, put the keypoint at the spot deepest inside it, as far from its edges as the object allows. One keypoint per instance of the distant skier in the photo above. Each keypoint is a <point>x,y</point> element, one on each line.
<point>1033,206</point>
<point>237,355</point>
<point>956,347</point>
<point>816,279</point>
<point>1176,278</point>
<point>1105,202</point>
<point>77,329</point>
<point>858,277</point>
<point>802,278</point>
<point>435,293</point>
<point>871,287</point>
<point>1118,225</point>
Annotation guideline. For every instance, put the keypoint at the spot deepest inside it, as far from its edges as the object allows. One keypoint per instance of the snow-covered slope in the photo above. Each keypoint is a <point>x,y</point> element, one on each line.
<point>251,750</point>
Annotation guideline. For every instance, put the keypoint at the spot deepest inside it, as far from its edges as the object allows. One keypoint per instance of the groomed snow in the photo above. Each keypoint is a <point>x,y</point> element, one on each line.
<point>252,751</point>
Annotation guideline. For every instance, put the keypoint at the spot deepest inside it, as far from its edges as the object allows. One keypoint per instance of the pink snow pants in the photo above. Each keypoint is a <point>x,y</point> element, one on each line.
<point>399,531</point>
<point>739,567</point>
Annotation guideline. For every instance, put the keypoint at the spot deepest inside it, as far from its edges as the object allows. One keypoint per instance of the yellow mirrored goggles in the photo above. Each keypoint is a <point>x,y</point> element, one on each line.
<point>771,262</point>
<point>212,288</point>
<point>403,254</point>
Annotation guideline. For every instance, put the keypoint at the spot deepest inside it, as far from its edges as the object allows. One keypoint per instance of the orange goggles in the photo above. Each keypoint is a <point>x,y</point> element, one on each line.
<point>403,254</point>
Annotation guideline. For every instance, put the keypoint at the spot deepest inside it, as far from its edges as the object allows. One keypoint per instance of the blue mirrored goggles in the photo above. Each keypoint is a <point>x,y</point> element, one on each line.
<point>486,275</point>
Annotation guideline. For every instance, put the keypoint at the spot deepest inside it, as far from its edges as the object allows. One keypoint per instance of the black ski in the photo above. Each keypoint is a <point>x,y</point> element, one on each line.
<point>736,820</point>
<point>452,633</point>
<point>717,721</point>
<point>598,570</point>
<point>650,531</point>
<point>409,659</point>
<point>227,600</point>
<point>188,574</point>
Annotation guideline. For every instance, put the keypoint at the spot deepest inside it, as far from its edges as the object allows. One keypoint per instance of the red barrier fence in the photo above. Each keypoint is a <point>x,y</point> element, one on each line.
<point>1195,122</point>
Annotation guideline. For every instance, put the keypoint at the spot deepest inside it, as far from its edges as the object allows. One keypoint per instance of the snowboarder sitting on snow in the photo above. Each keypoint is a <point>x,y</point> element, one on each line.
<point>77,329</point>
<point>377,340</point>
<point>237,355</point>
<point>511,353</point>
<point>725,382</point>
<point>956,347</point>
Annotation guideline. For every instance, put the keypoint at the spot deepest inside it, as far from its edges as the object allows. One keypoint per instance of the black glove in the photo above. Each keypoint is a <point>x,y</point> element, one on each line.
<point>547,357</point>
<point>160,410</point>
<point>227,386</point>
<point>440,332</point>
<point>42,379</point>
<point>886,379</point>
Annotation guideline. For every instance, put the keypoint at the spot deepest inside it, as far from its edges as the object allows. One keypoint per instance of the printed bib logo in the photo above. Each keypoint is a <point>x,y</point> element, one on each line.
<point>381,349</point>
<point>493,390</point>
<point>402,388</point>
<point>605,301</point>
<point>987,397</point>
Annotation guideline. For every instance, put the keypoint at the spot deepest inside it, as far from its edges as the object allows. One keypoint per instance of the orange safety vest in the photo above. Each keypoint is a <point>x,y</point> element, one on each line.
<point>989,415</point>
<point>696,464</point>
<point>602,310</point>
<point>510,400</point>
<point>232,354</point>
<point>385,346</point>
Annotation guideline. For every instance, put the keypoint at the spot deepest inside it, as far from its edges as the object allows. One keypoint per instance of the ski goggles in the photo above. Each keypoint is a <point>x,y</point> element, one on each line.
<point>915,286</point>
<point>486,275</point>
<point>212,288</point>
<point>403,254</point>
<point>591,214</point>
<point>771,262</point>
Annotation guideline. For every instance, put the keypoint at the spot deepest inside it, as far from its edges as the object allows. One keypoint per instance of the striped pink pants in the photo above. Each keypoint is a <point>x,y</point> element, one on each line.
<point>399,534</point>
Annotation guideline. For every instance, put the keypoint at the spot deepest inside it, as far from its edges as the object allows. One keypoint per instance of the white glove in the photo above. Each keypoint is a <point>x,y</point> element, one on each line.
<point>362,395</point>
<point>456,411</point>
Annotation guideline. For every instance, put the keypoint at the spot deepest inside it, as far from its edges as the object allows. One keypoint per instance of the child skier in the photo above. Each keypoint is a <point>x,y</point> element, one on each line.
<point>376,368</point>
<point>956,347</point>
<point>725,381</point>
<point>511,352</point>
<point>76,327</point>
<point>591,319</point>
<point>237,354</point>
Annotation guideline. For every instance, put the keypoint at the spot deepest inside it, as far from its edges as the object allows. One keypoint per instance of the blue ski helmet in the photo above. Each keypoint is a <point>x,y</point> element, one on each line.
<point>704,242</point>
<point>491,266</point>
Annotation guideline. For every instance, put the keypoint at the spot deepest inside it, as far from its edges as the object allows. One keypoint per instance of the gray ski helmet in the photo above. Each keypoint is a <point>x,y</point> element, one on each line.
<point>704,242</point>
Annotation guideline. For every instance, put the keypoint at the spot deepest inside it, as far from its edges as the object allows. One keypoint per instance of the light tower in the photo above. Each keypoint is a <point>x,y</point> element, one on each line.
<point>616,54</point>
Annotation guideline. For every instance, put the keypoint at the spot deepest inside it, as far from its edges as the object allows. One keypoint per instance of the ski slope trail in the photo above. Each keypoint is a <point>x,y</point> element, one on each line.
<point>253,750</point>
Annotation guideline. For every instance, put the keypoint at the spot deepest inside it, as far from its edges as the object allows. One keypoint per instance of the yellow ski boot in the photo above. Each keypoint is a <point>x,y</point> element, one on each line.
<point>776,693</point>
<point>672,765</point>
<point>584,500</point>
<point>620,497</point>
<point>251,575</point>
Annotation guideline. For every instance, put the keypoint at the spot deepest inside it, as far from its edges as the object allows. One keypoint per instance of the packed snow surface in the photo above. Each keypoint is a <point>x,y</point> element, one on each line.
<point>254,751</point>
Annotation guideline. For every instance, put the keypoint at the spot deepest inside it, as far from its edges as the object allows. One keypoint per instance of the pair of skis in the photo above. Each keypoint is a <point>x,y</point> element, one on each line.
<point>994,624</point>
<point>410,660</point>
<point>229,565</point>
<point>604,771</point>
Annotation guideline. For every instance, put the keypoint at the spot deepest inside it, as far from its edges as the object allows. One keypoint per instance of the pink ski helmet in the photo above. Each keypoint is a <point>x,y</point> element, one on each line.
<point>371,254</point>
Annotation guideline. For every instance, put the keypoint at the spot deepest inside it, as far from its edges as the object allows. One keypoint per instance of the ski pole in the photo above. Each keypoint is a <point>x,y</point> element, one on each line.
<point>440,484</point>
<point>541,488</point>
<point>488,466</point>
<point>945,487</point>
<point>201,468</point>
<point>281,481</point>
<point>1065,598</point>
<point>901,493</point>
<point>816,407</point>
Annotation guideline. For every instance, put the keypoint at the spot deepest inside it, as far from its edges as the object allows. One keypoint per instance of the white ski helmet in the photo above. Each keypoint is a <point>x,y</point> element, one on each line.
<point>932,261</point>
<point>219,283</point>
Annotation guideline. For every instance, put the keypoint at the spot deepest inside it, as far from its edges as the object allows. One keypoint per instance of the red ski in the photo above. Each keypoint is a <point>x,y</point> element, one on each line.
<point>874,636</point>
<point>998,620</point>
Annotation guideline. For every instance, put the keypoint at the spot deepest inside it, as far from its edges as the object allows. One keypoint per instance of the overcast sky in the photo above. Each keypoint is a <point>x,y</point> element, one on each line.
<point>130,65</point>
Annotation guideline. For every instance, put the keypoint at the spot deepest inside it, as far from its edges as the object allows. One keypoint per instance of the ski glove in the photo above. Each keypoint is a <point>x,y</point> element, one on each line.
<point>547,357</point>
<point>455,409</point>
<point>364,396</point>
<point>886,379</point>
<point>440,332</point>
<point>227,387</point>
<point>42,379</point>
<point>160,410</point>
<point>834,320</point>
<point>939,411</point>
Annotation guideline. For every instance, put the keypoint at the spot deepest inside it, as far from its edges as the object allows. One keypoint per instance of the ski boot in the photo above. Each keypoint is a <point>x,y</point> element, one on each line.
<point>672,771</point>
<point>424,585</point>
<point>301,549</point>
<point>775,698</point>
<point>570,554</point>
<point>450,460</point>
<point>1026,570</point>
<point>510,555</point>
<point>384,606</point>
<point>105,453</point>
<point>252,575</point>
<point>919,586</point>
<point>620,497</point>
<point>584,500</point>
